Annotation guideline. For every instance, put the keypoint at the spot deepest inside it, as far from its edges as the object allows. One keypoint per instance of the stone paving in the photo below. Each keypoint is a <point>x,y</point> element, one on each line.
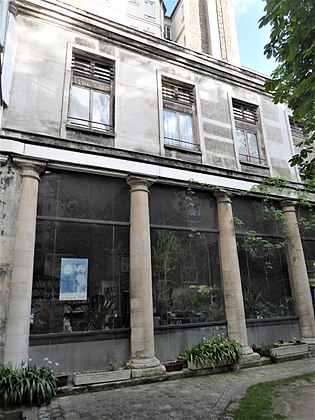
<point>204,397</point>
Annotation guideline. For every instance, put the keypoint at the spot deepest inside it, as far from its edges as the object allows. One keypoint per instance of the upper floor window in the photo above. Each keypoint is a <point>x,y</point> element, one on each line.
<point>247,133</point>
<point>178,115</point>
<point>90,104</point>
<point>297,131</point>
<point>167,33</point>
<point>149,9</point>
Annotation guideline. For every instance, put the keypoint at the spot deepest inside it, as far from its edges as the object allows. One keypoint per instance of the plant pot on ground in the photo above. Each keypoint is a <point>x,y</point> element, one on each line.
<point>62,379</point>
<point>173,366</point>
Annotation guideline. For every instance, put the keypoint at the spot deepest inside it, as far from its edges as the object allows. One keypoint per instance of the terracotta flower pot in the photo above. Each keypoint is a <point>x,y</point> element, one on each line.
<point>173,366</point>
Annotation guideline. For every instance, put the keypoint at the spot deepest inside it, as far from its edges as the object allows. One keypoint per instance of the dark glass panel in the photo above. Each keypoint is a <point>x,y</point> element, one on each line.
<point>186,277</point>
<point>265,281</point>
<point>107,250</point>
<point>75,195</point>
<point>170,206</point>
<point>306,217</point>
<point>263,217</point>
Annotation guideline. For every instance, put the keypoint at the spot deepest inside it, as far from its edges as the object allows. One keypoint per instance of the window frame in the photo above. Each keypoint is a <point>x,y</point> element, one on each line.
<point>96,75</point>
<point>149,9</point>
<point>246,119</point>
<point>179,98</point>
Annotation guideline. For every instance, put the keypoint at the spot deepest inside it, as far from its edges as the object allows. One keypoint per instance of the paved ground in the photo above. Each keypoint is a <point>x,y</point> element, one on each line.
<point>204,397</point>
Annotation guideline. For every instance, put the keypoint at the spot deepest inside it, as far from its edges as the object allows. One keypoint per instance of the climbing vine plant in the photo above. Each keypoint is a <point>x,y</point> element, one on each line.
<point>264,246</point>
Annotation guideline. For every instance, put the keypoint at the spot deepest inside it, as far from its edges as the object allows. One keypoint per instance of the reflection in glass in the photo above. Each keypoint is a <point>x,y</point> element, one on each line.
<point>79,106</point>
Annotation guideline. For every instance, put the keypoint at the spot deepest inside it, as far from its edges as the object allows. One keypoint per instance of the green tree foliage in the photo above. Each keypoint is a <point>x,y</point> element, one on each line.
<point>292,44</point>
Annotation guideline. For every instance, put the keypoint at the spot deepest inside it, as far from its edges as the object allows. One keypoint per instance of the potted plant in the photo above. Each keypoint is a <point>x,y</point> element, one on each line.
<point>26,385</point>
<point>213,352</point>
<point>113,374</point>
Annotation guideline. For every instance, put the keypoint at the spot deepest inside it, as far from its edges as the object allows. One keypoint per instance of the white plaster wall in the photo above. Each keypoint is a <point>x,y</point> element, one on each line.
<point>41,87</point>
<point>124,12</point>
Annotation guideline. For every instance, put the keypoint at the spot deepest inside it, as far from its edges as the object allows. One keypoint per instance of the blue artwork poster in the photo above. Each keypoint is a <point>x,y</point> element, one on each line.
<point>73,279</point>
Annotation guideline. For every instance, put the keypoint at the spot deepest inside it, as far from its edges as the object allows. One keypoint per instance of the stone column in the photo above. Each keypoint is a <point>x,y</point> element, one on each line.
<point>143,357</point>
<point>231,278</point>
<point>299,278</point>
<point>17,331</point>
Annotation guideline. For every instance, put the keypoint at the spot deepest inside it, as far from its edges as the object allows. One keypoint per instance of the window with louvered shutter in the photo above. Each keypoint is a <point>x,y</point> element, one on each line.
<point>90,105</point>
<point>178,115</point>
<point>247,133</point>
<point>297,131</point>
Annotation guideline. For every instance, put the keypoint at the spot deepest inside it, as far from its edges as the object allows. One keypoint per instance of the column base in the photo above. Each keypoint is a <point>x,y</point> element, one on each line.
<point>309,340</point>
<point>146,367</point>
<point>250,360</point>
<point>247,350</point>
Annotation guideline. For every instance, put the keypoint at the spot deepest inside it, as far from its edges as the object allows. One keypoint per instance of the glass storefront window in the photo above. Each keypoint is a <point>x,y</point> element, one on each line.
<point>185,258</point>
<point>95,256</point>
<point>262,258</point>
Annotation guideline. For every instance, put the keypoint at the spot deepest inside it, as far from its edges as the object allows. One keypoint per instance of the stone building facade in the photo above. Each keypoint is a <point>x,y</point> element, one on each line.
<point>125,159</point>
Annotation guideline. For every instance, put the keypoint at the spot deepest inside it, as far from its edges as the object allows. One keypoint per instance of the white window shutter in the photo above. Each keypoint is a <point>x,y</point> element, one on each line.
<point>8,60</point>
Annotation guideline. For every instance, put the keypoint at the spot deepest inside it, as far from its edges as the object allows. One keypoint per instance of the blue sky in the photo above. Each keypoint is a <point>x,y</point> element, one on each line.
<point>251,39</point>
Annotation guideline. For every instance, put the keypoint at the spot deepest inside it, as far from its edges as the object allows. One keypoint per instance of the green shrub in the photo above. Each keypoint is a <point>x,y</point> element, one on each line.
<point>26,385</point>
<point>213,351</point>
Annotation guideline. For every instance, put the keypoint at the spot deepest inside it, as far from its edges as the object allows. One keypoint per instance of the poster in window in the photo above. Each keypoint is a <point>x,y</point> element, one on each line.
<point>73,279</point>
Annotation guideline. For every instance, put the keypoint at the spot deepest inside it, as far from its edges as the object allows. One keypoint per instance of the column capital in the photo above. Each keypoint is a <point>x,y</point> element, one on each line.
<point>139,183</point>
<point>288,205</point>
<point>13,8</point>
<point>30,168</point>
<point>223,196</point>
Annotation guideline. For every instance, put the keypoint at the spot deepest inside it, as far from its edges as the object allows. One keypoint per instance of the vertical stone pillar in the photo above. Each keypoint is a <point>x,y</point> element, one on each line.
<point>231,278</point>
<point>299,278</point>
<point>17,331</point>
<point>143,357</point>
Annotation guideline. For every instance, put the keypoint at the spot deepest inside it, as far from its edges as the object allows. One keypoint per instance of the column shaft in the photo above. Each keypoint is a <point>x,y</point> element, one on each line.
<point>17,331</point>
<point>141,307</point>
<point>299,277</point>
<point>231,278</point>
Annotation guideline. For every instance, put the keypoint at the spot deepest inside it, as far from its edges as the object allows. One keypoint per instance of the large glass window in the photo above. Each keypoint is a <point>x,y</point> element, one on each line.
<point>262,258</point>
<point>185,260</point>
<point>81,265</point>
<point>306,217</point>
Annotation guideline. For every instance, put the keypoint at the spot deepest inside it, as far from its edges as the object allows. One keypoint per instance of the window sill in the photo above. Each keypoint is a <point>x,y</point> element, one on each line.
<point>182,149</point>
<point>256,165</point>
<point>91,131</point>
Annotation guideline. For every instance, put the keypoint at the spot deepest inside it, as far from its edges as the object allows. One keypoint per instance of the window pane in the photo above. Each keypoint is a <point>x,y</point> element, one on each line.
<point>79,106</point>
<point>253,147</point>
<point>107,250</point>
<point>100,115</point>
<point>149,8</point>
<point>186,277</point>
<point>92,197</point>
<point>170,128</point>
<point>265,280</point>
<point>171,206</point>
<point>186,131</point>
<point>241,142</point>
